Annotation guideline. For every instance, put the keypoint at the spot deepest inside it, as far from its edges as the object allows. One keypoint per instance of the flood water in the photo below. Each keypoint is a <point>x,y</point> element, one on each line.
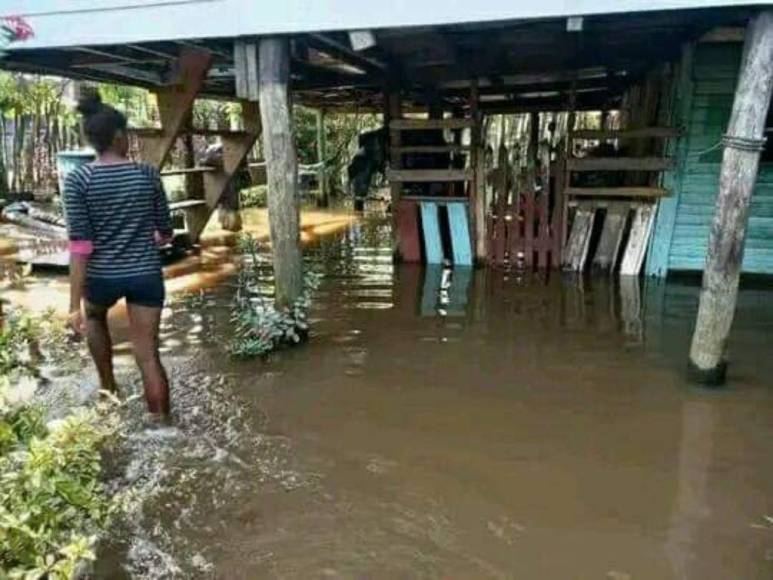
<point>456,424</point>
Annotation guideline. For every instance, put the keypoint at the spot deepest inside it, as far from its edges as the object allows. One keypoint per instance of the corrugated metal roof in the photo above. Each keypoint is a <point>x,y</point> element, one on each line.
<point>60,23</point>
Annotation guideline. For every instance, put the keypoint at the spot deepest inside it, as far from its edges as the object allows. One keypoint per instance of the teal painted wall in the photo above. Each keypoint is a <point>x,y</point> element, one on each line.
<point>705,92</point>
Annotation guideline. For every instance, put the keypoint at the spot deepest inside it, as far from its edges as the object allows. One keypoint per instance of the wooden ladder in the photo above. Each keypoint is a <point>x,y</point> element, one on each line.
<point>175,104</point>
<point>417,216</point>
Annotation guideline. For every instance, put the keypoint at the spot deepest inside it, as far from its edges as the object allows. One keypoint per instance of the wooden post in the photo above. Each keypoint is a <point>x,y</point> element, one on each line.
<point>392,112</point>
<point>282,169</point>
<point>478,184</point>
<point>737,178</point>
<point>323,200</point>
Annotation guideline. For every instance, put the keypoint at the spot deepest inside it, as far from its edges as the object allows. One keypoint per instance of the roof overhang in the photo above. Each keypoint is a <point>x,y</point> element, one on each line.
<point>62,23</point>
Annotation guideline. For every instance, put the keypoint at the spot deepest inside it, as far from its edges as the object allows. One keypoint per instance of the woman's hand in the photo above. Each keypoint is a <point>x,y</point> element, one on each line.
<point>75,321</point>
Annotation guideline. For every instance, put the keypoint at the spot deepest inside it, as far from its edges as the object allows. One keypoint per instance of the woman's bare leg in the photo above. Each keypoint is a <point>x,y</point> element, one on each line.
<point>144,323</point>
<point>100,345</point>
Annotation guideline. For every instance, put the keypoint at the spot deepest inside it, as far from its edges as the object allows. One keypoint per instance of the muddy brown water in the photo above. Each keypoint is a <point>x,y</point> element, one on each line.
<point>457,424</point>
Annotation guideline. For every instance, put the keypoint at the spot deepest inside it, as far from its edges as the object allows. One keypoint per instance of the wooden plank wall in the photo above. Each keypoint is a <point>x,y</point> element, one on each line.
<point>709,89</point>
<point>525,227</point>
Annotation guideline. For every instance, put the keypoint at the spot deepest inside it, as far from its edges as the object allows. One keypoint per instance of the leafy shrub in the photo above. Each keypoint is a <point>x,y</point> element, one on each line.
<point>52,501</point>
<point>260,327</point>
<point>255,196</point>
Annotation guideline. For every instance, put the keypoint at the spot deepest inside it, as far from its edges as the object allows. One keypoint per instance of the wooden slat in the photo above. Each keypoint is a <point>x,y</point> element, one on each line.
<point>435,199</point>
<point>431,149</point>
<point>576,250</point>
<point>460,234</point>
<point>217,132</point>
<point>187,171</point>
<point>427,175</point>
<point>560,209</point>
<point>253,81</point>
<point>620,164</point>
<point>528,227</point>
<point>240,69</point>
<point>421,124</point>
<point>499,230</point>
<point>611,237</point>
<point>638,240</point>
<point>408,230</point>
<point>652,192</point>
<point>186,204</point>
<point>145,131</point>
<point>641,133</point>
<point>156,132</point>
<point>433,245</point>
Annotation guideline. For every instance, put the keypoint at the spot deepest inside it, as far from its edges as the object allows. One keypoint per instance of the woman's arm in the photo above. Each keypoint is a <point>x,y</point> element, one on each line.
<point>77,290</point>
<point>81,246</point>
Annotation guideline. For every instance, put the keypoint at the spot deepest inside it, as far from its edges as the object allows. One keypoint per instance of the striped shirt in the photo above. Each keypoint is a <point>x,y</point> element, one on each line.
<point>119,209</point>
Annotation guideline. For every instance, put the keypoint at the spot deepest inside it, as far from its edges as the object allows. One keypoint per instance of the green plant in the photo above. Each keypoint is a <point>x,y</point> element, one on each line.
<point>53,504</point>
<point>255,196</point>
<point>260,327</point>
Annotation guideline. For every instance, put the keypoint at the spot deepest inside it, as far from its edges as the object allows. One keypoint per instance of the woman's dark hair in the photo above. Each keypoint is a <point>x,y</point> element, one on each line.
<point>101,122</point>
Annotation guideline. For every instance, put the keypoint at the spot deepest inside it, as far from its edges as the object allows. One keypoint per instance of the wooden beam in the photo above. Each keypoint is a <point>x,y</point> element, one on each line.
<point>592,102</point>
<point>282,165</point>
<point>620,164</point>
<point>724,34</point>
<point>187,171</point>
<point>346,54</point>
<point>436,200</point>
<point>431,149</point>
<point>643,133</point>
<point>738,175</point>
<point>616,191</point>
<point>403,231</point>
<point>425,124</point>
<point>174,106</point>
<point>428,175</point>
<point>478,186</point>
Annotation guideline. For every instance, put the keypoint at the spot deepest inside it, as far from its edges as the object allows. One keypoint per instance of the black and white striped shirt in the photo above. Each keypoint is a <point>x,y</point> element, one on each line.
<point>119,209</point>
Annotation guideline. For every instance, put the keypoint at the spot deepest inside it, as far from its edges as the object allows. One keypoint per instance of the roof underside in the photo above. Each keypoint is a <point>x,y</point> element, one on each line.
<point>520,64</point>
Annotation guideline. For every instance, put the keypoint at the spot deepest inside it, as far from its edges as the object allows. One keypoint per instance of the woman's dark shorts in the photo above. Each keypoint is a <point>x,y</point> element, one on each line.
<point>143,290</point>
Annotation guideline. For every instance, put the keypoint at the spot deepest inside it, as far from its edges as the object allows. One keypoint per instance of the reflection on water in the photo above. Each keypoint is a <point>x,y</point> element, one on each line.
<point>457,423</point>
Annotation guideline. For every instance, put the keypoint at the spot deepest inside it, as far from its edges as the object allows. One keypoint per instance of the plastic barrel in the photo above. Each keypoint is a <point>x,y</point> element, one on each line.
<point>66,161</point>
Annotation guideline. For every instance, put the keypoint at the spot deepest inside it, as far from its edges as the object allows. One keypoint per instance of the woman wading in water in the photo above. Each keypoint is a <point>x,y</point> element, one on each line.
<point>117,216</point>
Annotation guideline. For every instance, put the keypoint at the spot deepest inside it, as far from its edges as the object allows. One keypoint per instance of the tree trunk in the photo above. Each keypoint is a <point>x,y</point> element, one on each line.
<point>737,178</point>
<point>282,169</point>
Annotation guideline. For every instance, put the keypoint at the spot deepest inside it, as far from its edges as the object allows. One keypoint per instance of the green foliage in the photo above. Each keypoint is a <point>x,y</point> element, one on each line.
<point>255,196</point>
<point>52,502</point>
<point>139,105</point>
<point>341,132</point>
<point>260,327</point>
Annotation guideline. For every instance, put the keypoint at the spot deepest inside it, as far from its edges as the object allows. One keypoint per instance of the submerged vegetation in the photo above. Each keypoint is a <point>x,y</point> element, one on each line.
<point>260,327</point>
<point>53,503</point>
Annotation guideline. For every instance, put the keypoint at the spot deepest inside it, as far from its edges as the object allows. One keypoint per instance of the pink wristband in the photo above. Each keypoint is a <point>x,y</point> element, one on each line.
<point>81,247</point>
